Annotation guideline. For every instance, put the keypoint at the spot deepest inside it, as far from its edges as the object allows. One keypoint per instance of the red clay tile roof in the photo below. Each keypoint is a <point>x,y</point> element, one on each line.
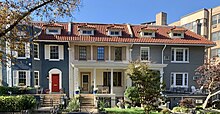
<point>52,25</point>
<point>100,35</point>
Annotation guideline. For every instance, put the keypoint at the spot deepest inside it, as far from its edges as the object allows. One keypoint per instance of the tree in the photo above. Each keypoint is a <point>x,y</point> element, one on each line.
<point>148,84</point>
<point>132,94</point>
<point>210,78</point>
<point>15,12</point>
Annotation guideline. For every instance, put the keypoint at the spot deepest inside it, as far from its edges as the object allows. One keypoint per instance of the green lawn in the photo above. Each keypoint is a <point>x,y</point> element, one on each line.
<point>126,111</point>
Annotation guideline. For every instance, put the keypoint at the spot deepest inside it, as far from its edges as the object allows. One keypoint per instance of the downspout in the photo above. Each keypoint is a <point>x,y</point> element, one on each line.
<point>162,53</point>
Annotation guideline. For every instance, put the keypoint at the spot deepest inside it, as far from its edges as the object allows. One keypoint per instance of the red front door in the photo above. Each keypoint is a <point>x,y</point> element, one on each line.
<point>55,83</point>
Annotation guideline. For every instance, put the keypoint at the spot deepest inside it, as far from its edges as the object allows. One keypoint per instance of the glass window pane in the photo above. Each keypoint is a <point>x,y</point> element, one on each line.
<point>22,78</point>
<point>100,53</point>
<point>54,52</point>
<point>82,53</point>
<point>21,51</point>
<point>214,20</point>
<point>179,79</point>
<point>118,53</point>
<point>179,54</point>
<point>145,54</point>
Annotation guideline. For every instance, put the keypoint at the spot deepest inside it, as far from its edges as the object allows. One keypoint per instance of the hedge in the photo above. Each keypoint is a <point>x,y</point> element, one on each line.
<point>17,103</point>
<point>127,111</point>
<point>14,90</point>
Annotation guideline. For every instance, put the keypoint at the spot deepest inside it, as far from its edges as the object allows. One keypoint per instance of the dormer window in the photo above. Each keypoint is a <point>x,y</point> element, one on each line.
<point>177,34</point>
<point>86,32</point>
<point>148,34</point>
<point>114,33</point>
<point>53,30</point>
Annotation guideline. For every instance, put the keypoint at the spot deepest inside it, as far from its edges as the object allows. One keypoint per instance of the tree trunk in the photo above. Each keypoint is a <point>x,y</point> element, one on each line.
<point>208,97</point>
<point>206,101</point>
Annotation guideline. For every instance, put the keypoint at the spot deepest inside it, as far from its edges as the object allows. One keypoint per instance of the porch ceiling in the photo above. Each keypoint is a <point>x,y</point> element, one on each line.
<point>114,65</point>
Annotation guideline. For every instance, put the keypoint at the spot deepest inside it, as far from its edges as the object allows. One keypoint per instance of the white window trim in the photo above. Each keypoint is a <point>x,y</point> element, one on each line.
<point>148,48</point>
<point>26,71</point>
<point>109,32</point>
<point>53,33</point>
<point>81,32</point>
<point>38,58</point>
<point>183,80</point>
<point>38,79</point>
<point>26,51</point>
<point>172,36</point>
<point>58,53</point>
<point>174,61</point>
<point>142,34</point>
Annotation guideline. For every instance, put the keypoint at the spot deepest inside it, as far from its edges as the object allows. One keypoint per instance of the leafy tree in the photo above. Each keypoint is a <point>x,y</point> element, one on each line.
<point>148,84</point>
<point>16,12</point>
<point>187,103</point>
<point>210,78</point>
<point>132,94</point>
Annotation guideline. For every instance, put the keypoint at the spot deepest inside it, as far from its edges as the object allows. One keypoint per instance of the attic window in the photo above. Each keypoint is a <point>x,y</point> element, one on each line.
<point>148,34</point>
<point>53,30</point>
<point>177,34</point>
<point>87,32</point>
<point>114,33</point>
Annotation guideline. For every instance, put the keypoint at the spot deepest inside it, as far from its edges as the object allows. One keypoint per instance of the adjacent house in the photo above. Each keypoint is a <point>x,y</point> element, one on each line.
<point>204,22</point>
<point>69,57</point>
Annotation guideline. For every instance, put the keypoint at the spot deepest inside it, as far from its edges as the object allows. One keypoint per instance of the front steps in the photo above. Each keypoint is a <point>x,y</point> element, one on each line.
<point>87,103</point>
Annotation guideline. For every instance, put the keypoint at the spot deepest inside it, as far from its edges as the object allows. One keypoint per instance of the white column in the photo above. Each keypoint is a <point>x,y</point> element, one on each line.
<point>76,82</point>
<point>130,57</point>
<point>127,53</point>
<point>161,75</point>
<point>91,52</point>
<point>111,81</point>
<point>73,52</point>
<point>109,53</point>
<point>113,101</point>
<point>94,77</point>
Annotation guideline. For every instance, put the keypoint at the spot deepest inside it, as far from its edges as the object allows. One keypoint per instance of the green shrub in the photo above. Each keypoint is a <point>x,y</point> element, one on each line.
<point>4,90</point>
<point>124,111</point>
<point>132,94</point>
<point>73,105</point>
<point>17,103</point>
<point>180,109</point>
<point>187,103</point>
<point>166,111</point>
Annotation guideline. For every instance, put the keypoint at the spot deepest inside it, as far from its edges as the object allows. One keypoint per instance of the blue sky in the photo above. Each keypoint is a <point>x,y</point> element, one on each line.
<point>136,11</point>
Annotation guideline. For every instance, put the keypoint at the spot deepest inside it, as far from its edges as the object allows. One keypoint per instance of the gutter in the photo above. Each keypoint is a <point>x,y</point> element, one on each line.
<point>162,52</point>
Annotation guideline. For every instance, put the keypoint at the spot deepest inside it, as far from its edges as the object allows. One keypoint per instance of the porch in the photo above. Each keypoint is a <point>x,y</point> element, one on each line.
<point>103,79</point>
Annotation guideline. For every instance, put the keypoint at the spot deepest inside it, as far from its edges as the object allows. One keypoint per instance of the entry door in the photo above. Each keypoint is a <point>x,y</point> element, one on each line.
<point>55,83</point>
<point>85,82</point>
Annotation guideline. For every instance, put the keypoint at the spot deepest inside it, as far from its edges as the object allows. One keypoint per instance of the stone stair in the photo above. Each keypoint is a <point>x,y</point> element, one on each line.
<point>87,103</point>
<point>49,103</point>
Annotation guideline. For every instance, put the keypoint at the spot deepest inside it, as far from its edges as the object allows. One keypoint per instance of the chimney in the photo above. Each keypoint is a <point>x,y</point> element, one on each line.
<point>69,28</point>
<point>161,18</point>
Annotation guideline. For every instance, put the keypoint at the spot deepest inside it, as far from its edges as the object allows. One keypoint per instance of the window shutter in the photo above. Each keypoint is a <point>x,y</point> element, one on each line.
<point>15,78</point>
<point>27,50</point>
<point>47,51</point>
<point>61,52</point>
<point>15,54</point>
<point>28,80</point>
<point>172,79</point>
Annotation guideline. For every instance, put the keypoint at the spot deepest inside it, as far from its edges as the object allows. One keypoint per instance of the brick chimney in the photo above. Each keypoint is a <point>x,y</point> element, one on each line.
<point>161,18</point>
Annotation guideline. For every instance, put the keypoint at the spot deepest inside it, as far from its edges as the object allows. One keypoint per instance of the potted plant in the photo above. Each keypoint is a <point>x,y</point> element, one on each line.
<point>102,106</point>
<point>95,90</point>
<point>77,91</point>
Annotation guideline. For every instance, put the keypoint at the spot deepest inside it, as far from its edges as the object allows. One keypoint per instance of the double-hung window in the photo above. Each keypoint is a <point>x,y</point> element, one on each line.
<point>144,53</point>
<point>118,53</point>
<point>21,51</point>
<point>100,53</point>
<point>54,52</point>
<point>214,19</point>
<point>180,55</point>
<point>117,78</point>
<point>179,79</point>
<point>36,51</point>
<point>22,75</point>
<point>82,53</point>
